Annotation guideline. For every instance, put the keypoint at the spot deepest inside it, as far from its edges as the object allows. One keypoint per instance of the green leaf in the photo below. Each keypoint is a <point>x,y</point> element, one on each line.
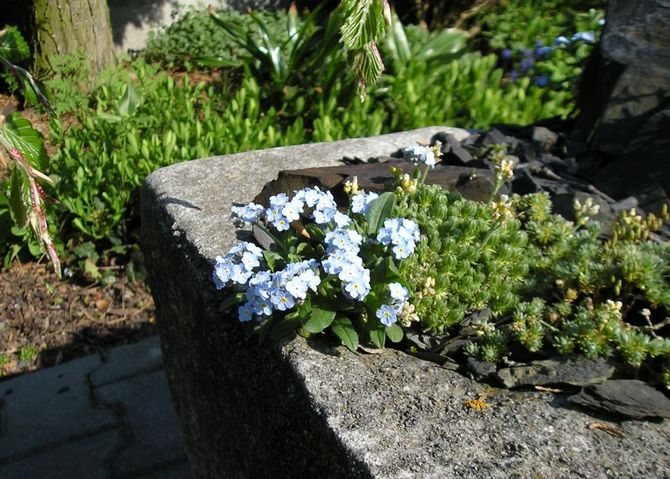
<point>394,333</point>
<point>378,335</point>
<point>91,269</point>
<point>271,258</point>
<point>284,327</point>
<point>13,46</point>
<point>364,22</point>
<point>380,210</point>
<point>17,205</point>
<point>343,329</point>
<point>319,320</point>
<point>315,232</point>
<point>130,101</point>
<point>444,46</point>
<point>19,133</point>
<point>396,42</point>
<point>86,250</point>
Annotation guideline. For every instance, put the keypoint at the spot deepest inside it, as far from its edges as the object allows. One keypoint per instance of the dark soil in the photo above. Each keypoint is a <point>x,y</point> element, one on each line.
<point>45,321</point>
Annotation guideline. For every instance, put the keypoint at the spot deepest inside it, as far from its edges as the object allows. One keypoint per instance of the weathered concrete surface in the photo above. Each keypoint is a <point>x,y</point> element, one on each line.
<point>313,410</point>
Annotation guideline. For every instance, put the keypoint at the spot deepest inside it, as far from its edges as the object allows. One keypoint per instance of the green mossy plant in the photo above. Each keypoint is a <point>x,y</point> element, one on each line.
<point>469,257</point>
<point>553,286</point>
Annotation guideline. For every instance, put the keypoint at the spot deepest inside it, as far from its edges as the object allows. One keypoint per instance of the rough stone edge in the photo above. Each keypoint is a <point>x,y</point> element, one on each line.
<point>187,311</point>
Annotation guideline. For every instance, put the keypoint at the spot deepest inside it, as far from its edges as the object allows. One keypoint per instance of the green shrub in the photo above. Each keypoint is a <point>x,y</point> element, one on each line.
<point>290,89</point>
<point>195,35</point>
<point>143,124</point>
<point>520,24</point>
<point>71,84</point>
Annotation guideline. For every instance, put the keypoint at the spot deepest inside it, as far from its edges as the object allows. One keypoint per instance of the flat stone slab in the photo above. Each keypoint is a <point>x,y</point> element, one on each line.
<point>308,409</point>
<point>48,408</point>
<point>152,437</point>
<point>78,459</point>
<point>129,361</point>
<point>376,176</point>
<point>96,417</point>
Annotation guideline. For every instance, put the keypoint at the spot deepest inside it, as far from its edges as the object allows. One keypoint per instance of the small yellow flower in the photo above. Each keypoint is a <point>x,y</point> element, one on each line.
<point>351,186</point>
<point>614,306</point>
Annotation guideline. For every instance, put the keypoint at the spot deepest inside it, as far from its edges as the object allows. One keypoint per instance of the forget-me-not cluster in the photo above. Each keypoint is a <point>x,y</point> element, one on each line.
<point>266,292</point>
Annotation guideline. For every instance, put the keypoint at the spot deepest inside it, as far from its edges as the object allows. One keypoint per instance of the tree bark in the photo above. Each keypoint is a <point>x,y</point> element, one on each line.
<point>64,27</point>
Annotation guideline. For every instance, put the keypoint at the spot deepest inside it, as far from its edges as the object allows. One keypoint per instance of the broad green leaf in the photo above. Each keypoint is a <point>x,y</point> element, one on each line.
<point>380,210</point>
<point>271,258</point>
<point>397,43</point>
<point>285,327</point>
<point>19,133</point>
<point>378,335</point>
<point>394,333</point>
<point>315,232</point>
<point>319,320</point>
<point>444,46</point>
<point>130,101</point>
<point>91,269</point>
<point>17,205</point>
<point>343,329</point>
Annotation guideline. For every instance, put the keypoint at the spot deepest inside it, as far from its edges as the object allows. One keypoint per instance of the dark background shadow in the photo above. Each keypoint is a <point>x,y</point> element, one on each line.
<point>137,13</point>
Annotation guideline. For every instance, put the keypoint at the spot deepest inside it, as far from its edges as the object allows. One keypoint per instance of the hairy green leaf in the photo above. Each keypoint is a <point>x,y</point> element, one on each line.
<point>394,333</point>
<point>378,335</point>
<point>319,320</point>
<point>380,210</point>
<point>343,329</point>
<point>364,22</point>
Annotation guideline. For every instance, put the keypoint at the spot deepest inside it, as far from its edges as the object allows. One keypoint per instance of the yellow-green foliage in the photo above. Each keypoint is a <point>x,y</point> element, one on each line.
<point>583,294</point>
<point>475,258</point>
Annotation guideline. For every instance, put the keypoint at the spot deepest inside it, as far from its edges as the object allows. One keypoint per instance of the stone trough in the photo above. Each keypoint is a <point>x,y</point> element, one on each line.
<point>310,409</point>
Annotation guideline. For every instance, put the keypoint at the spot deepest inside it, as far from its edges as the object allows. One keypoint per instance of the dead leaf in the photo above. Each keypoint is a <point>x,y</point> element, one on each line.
<point>608,428</point>
<point>371,350</point>
<point>298,226</point>
<point>102,304</point>
<point>545,389</point>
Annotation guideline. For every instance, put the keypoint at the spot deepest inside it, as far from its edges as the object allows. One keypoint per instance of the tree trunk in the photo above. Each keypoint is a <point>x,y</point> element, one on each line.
<point>68,26</point>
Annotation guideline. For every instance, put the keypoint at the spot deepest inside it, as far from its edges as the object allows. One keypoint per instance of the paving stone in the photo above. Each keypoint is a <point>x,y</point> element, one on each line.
<point>49,407</point>
<point>84,458</point>
<point>180,470</point>
<point>129,361</point>
<point>153,436</point>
